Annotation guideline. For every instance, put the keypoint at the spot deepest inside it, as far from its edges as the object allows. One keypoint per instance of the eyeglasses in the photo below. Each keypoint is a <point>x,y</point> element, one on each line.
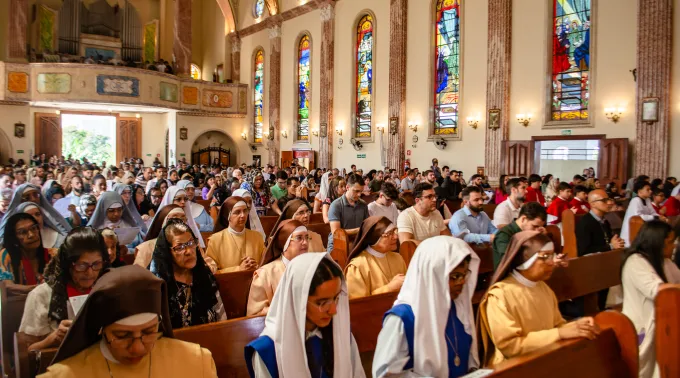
<point>605,200</point>
<point>389,234</point>
<point>179,249</point>
<point>303,212</point>
<point>126,342</point>
<point>325,305</point>
<point>547,257</point>
<point>301,238</point>
<point>23,232</point>
<point>460,276</point>
<point>180,199</point>
<point>429,197</point>
<point>83,267</point>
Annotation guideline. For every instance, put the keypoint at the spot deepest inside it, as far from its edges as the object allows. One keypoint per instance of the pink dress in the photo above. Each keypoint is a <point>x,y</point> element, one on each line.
<point>500,197</point>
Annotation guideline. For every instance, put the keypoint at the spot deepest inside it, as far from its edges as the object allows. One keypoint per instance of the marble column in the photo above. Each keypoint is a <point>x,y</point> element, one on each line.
<point>397,85</point>
<point>654,51</point>
<point>235,57</point>
<point>274,103</point>
<point>326,128</point>
<point>181,47</point>
<point>498,82</point>
<point>18,23</point>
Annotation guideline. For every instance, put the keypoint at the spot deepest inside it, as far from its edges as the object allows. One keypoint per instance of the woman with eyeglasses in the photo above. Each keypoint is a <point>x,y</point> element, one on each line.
<point>178,196</point>
<point>115,251</point>
<point>430,330</point>
<point>201,217</point>
<point>71,273</point>
<point>307,330</point>
<point>112,213</point>
<point>124,330</point>
<point>375,265</point>
<point>23,260</point>
<point>519,312</point>
<point>289,240</point>
<point>193,295</point>
<point>301,211</point>
<point>234,246</point>
<point>52,237</point>
<point>144,251</point>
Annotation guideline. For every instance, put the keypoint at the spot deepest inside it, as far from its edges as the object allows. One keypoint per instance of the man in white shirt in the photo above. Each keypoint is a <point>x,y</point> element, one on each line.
<point>422,220</point>
<point>161,174</point>
<point>640,205</point>
<point>384,204</point>
<point>509,209</point>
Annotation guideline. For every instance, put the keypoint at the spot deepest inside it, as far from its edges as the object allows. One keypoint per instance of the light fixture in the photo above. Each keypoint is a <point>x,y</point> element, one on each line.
<point>58,112</point>
<point>339,131</point>
<point>380,128</point>
<point>110,110</point>
<point>524,119</point>
<point>244,136</point>
<point>613,114</point>
<point>473,121</point>
<point>315,133</point>
<point>284,133</point>
<point>413,126</point>
<point>138,116</point>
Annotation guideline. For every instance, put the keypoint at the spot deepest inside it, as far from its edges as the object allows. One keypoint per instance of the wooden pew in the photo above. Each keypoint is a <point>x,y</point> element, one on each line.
<point>214,213</point>
<point>11,312</point>
<point>268,222</point>
<point>667,333</point>
<point>368,198</point>
<point>204,203</point>
<point>341,247</point>
<point>454,205</point>
<point>316,218</point>
<point>569,221</point>
<point>234,288</point>
<point>635,223</point>
<point>408,198</point>
<point>407,249</point>
<point>206,236</point>
<point>613,354</point>
<point>556,236</point>
<point>129,258</point>
<point>323,229</point>
<point>489,209</point>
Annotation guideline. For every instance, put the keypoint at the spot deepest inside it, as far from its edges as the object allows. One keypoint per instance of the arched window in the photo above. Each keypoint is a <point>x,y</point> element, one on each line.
<point>570,87</point>
<point>447,67</point>
<point>304,88</point>
<point>364,78</point>
<point>258,8</point>
<point>195,72</point>
<point>258,95</point>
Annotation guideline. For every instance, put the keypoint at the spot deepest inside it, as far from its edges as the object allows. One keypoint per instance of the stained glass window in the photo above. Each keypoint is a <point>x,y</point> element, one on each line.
<point>364,78</point>
<point>195,72</point>
<point>304,88</point>
<point>258,8</point>
<point>258,95</point>
<point>571,60</point>
<point>447,63</point>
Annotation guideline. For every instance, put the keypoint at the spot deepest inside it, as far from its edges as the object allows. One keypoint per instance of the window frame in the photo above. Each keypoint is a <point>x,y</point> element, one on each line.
<point>296,83</point>
<point>254,10</point>
<point>264,91</point>
<point>353,124</point>
<point>198,69</point>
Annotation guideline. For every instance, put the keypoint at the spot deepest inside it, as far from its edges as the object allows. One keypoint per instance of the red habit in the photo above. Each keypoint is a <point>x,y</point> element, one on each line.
<point>583,207</point>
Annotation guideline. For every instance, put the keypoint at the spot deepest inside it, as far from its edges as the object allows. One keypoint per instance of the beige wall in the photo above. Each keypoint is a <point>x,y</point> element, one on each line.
<point>214,40</point>
<point>166,37</point>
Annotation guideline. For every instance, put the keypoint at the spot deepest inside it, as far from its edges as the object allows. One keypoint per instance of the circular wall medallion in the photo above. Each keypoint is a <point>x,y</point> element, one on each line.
<point>415,139</point>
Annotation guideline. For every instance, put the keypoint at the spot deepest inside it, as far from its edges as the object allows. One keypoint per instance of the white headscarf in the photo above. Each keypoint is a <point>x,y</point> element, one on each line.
<point>46,186</point>
<point>196,209</point>
<point>169,196</point>
<point>426,290</point>
<point>323,190</point>
<point>255,223</point>
<point>287,317</point>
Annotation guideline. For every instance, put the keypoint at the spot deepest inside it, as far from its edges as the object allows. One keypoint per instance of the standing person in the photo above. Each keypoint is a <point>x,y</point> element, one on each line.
<point>642,273</point>
<point>336,189</point>
<point>384,204</point>
<point>430,331</point>
<point>593,232</point>
<point>508,210</point>
<point>124,330</point>
<point>261,195</point>
<point>640,205</point>
<point>348,211</point>
<point>436,170</point>
<point>307,323</point>
<point>321,196</point>
<point>422,220</point>
<point>534,193</point>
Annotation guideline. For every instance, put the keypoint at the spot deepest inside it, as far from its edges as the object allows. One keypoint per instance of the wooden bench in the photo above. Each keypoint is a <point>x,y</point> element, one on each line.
<point>613,354</point>
<point>341,247</point>
<point>368,198</point>
<point>635,225</point>
<point>556,236</point>
<point>454,205</point>
<point>316,218</point>
<point>206,236</point>
<point>234,289</point>
<point>11,312</point>
<point>408,198</point>
<point>268,222</point>
<point>667,333</point>
<point>214,213</point>
<point>323,229</point>
<point>615,219</point>
<point>204,203</point>
<point>569,221</point>
<point>489,209</point>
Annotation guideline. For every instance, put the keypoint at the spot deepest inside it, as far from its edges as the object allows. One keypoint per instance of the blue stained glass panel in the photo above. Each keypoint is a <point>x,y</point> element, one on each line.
<point>447,67</point>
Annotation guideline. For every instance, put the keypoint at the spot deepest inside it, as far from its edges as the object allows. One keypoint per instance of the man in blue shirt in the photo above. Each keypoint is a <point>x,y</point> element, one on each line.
<point>471,223</point>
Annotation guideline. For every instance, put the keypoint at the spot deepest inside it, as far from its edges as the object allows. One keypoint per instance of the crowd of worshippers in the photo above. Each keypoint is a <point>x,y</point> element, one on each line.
<point>66,226</point>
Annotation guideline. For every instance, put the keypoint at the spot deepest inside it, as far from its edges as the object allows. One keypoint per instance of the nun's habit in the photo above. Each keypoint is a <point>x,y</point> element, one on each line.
<point>51,236</point>
<point>201,217</point>
<point>316,244</point>
<point>130,296</point>
<point>131,208</point>
<point>280,351</point>
<point>426,333</point>
<point>99,220</point>
<point>168,199</point>
<point>46,209</point>
<point>254,219</point>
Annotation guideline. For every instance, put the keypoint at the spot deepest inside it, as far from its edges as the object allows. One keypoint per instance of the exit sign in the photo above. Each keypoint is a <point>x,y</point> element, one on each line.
<point>566,132</point>
<point>20,151</point>
<point>182,155</point>
<point>361,156</point>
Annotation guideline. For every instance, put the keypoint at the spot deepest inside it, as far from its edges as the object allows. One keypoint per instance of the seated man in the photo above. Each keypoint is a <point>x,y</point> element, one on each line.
<point>452,185</point>
<point>294,191</point>
<point>123,322</point>
<point>509,209</point>
<point>422,220</point>
<point>408,183</point>
<point>580,200</point>
<point>384,204</point>
<point>560,203</point>
<point>471,222</point>
<point>532,217</point>
<point>534,193</point>
<point>349,211</point>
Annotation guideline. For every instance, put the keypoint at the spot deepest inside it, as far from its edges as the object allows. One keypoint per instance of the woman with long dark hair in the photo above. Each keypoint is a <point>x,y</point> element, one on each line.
<point>23,259</point>
<point>193,296</point>
<point>336,188</point>
<point>501,193</point>
<point>643,271</point>
<point>312,296</point>
<point>72,273</point>
<point>142,203</point>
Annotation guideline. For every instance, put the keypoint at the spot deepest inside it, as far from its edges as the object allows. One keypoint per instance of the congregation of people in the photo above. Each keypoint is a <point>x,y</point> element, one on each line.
<point>113,258</point>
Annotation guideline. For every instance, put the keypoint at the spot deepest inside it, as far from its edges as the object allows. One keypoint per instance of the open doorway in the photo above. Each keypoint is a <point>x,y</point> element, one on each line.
<point>566,158</point>
<point>89,136</point>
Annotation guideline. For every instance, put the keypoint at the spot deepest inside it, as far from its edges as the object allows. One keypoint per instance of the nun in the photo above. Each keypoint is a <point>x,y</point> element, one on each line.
<point>178,196</point>
<point>307,323</point>
<point>430,330</point>
<point>125,192</point>
<point>112,213</point>
<point>519,312</point>
<point>144,251</point>
<point>289,240</point>
<point>201,217</point>
<point>300,210</point>
<point>254,219</point>
<point>375,265</point>
<point>124,330</point>
<point>51,236</point>
<point>233,246</point>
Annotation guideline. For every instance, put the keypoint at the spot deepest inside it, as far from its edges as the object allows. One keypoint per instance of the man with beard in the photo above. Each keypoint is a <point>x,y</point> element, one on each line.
<point>452,185</point>
<point>76,188</point>
<point>88,173</point>
<point>471,223</point>
<point>508,210</point>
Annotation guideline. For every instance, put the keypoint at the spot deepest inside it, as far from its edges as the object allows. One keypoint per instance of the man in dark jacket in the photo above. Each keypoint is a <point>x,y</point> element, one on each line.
<point>452,186</point>
<point>593,232</point>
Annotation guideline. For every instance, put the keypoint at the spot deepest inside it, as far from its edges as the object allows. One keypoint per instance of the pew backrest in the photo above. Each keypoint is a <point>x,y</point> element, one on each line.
<point>407,249</point>
<point>268,222</point>
<point>204,203</point>
<point>316,218</point>
<point>615,219</point>
<point>408,198</point>
<point>667,333</point>
<point>341,247</point>
<point>635,224</point>
<point>11,312</point>
<point>234,289</point>
<point>454,205</point>
<point>489,209</point>
<point>206,236</point>
<point>556,237</point>
<point>569,221</point>
<point>323,229</point>
<point>214,213</point>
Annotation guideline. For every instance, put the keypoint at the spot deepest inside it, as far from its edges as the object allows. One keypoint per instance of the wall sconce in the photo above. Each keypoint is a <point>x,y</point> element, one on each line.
<point>265,134</point>
<point>58,112</point>
<point>284,133</point>
<point>524,119</point>
<point>473,121</point>
<point>244,136</point>
<point>381,128</point>
<point>413,126</point>
<point>338,131</point>
<point>613,114</point>
<point>138,116</point>
<point>315,133</point>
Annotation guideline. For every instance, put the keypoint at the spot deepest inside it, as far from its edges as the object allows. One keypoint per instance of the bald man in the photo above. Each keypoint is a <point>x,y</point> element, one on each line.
<point>593,232</point>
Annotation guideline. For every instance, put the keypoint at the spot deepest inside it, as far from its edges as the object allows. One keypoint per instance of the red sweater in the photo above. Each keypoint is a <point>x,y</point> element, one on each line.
<point>583,207</point>
<point>672,206</point>
<point>534,195</point>
<point>557,206</point>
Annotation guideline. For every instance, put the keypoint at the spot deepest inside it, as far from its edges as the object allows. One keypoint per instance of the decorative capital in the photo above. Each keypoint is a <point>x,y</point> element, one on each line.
<point>275,32</point>
<point>327,12</point>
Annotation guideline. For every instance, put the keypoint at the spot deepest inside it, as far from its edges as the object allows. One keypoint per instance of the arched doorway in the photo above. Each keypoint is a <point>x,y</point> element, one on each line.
<point>5,148</point>
<point>214,144</point>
